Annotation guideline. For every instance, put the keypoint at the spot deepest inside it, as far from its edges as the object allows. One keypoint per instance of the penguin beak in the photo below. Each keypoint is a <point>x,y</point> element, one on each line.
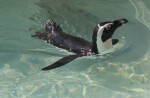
<point>120,22</point>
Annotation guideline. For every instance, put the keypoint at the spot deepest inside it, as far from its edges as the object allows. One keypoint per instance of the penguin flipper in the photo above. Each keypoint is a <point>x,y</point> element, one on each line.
<point>115,41</point>
<point>61,62</point>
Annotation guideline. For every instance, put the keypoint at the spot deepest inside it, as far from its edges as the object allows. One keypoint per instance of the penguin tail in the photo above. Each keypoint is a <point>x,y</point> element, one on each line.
<point>40,35</point>
<point>51,25</point>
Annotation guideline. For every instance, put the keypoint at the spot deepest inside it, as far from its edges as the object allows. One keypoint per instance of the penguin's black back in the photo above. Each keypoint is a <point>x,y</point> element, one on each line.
<point>70,43</point>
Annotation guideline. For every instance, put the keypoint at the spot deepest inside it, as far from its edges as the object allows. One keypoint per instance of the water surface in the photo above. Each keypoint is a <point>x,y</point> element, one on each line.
<point>122,74</point>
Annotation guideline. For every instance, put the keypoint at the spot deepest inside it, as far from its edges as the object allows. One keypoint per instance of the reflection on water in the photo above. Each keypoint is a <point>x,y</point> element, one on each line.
<point>142,12</point>
<point>122,74</point>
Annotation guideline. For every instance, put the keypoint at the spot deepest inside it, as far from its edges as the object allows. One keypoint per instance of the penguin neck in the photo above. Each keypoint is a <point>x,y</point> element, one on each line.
<point>104,47</point>
<point>100,46</point>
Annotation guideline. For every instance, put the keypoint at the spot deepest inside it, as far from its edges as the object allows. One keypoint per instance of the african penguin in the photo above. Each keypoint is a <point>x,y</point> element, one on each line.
<point>101,43</point>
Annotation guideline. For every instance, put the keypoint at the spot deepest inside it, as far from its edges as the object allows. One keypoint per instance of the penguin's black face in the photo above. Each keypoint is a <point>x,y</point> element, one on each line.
<point>51,27</point>
<point>106,29</point>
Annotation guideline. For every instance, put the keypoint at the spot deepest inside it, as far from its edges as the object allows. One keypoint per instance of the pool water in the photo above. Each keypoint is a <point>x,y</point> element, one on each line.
<point>122,74</point>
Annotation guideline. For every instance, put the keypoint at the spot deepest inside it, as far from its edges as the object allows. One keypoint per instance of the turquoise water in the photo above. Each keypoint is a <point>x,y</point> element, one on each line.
<point>123,74</point>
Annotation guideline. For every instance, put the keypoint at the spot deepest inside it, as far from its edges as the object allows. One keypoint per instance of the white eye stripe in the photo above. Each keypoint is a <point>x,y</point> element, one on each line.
<point>101,28</point>
<point>108,25</point>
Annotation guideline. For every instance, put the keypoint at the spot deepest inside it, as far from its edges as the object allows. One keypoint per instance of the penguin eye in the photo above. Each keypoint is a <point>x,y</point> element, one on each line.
<point>108,27</point>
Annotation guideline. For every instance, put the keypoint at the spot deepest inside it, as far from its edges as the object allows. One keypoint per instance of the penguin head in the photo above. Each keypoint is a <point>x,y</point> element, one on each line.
<point>51,26</point>
<point>103,33</point>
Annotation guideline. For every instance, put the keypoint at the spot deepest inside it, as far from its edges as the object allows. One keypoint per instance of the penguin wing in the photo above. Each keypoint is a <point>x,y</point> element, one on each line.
<point>61,62</point>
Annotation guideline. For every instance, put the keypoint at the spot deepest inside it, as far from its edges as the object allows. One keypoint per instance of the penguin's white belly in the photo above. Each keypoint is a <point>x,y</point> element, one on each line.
<point>104,47</point>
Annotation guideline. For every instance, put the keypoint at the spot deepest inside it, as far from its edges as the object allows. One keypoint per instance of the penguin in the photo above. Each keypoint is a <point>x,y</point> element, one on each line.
<point>101,43</point>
